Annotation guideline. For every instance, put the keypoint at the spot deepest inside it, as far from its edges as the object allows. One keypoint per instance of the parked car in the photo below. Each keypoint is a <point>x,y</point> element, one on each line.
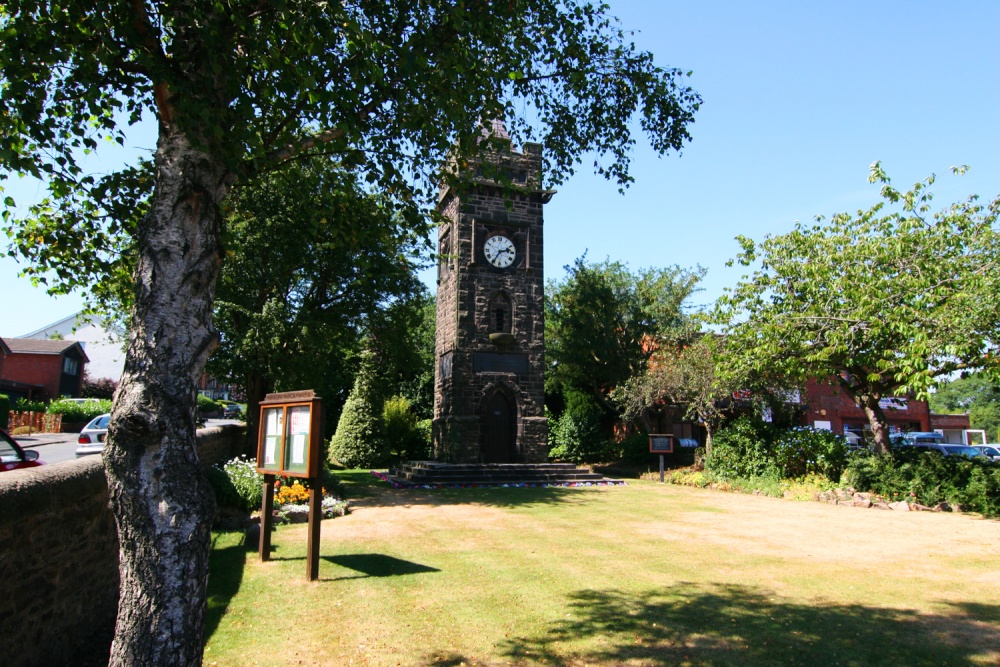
<point>990,451</point>
<point>93,435</point>
<point>231,411</point>
<point>13,456</point>
<point>946,449</point>
<point>920,437</point>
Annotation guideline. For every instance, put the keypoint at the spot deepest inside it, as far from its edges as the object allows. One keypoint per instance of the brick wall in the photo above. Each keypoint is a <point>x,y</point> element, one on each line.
<point>953,421</point>
<point>825,401</point>
<point>38,369</point>
<point>59,553</point>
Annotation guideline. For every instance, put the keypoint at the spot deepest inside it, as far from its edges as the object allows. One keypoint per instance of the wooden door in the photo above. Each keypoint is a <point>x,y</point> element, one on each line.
<point>499,430</point>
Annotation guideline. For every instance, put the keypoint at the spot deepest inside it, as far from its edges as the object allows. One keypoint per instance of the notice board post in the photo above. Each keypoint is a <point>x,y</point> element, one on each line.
<point>661,444</point>
<point>288,445</point>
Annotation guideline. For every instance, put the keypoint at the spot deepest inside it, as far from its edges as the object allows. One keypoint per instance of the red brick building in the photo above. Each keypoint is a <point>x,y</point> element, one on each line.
<point>41,369</point>
<point>953,427</point>
<point>828,407</point>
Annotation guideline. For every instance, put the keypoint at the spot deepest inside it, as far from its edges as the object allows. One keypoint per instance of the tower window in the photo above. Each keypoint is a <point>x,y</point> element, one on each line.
<point>500,315</point>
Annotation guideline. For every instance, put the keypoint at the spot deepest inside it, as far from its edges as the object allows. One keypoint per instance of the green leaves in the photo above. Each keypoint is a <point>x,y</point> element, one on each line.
<point>895,296</point>
<point>604,321</point>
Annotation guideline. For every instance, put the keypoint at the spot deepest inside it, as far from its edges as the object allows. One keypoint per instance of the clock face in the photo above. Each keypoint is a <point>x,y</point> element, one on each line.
<point>499,251</point>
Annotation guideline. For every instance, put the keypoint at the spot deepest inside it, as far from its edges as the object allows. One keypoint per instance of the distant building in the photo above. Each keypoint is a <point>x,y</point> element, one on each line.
<point>105,348</point>
<point>41,369</point>
<point>830,408</point>
<point>953,427</point>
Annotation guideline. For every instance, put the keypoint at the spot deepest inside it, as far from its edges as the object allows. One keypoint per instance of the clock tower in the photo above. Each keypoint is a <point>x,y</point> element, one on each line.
<point>489,380</point>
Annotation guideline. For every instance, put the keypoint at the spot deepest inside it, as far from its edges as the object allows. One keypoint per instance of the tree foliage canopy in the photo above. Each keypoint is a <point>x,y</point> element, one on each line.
<point>239,89</point>
<point>885,302</point>
<point>387,87</point>
<point>311,256</point>
<point>603,322</point>
<point>978,395</point>
<point>687,376</point>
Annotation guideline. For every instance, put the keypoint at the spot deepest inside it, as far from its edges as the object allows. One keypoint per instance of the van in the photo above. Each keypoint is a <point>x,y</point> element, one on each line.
<point>923,438</point>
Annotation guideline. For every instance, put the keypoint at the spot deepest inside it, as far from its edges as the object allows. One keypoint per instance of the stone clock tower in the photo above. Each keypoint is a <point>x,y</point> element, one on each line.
<point>489,381</point>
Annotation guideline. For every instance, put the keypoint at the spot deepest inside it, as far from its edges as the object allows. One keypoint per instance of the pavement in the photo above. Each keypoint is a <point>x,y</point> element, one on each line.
<point>40,439</point>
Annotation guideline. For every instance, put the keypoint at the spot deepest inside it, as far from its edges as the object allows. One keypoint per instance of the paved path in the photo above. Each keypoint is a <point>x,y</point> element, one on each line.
<point>58,447</point>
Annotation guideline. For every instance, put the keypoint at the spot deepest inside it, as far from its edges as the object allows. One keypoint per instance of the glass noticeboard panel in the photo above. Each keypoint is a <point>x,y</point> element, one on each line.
<point>297,439</point>
<point>272,423</point>
<point>290,433</point>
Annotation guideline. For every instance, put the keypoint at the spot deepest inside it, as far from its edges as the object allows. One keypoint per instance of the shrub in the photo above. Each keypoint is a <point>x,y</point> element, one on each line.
<point>401,432</point>
<point>4,410</point>
<point>928,478</point>
<point>207,405</point>
<point>247,482</point>
<point>99,388</point>
<point>226,494</point>
<point>426,428</point>
<point>24,405</point>
<point>358,442</point>
<point>577,434</point>
<point>79,411</point>
<point>742,450</point>
<point>635,449</point>
<point>805,451</point>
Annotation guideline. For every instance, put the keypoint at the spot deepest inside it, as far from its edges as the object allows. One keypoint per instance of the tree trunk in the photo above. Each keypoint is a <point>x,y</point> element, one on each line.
<point>161,500</point>
<point>878,422</point>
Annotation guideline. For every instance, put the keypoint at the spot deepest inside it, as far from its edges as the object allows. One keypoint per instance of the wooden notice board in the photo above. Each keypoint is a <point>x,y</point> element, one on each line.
<point>661,443</point>
<point>288,443</point>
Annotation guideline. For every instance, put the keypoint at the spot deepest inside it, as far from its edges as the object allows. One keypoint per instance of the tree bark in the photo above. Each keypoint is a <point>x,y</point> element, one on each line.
<point>878,422</point>
<point>161,500</point>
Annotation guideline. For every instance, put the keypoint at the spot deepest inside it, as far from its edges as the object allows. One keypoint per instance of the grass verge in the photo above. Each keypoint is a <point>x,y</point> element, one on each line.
<point>646,574</point>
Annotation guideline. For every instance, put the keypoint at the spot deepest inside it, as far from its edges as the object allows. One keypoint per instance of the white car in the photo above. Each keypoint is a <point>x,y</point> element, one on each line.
<point>93,435</point>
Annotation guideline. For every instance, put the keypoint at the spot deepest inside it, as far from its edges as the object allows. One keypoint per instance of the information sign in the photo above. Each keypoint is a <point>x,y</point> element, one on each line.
<point>288,444</point>
<point>661,444</point>
<point>289,441</point>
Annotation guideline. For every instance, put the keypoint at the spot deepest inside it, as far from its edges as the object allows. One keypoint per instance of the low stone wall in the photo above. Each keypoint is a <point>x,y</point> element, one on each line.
<point>59,553</point>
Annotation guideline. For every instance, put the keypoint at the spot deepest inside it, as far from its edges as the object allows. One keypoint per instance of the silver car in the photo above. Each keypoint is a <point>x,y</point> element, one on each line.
<point>990,451</point>
<point>93,435</point>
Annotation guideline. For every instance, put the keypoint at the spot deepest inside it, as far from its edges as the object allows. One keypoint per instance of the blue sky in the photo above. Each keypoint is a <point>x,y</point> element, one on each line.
<point>799,99</point>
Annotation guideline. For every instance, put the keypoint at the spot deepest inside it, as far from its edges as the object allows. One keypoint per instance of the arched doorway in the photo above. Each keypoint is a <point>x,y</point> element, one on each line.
<point>499,429</point>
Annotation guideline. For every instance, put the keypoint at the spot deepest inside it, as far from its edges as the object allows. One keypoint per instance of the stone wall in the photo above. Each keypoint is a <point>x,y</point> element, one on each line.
<point>476,357</point>
<point>59,553</point>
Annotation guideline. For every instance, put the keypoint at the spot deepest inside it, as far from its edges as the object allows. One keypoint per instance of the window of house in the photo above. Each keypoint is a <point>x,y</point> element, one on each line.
<point>71,366</point>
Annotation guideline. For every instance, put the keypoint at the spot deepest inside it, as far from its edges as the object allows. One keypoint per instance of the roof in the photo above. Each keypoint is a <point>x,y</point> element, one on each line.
<point>42,346</point>
<point>494,128</point>
<point>68,320</point>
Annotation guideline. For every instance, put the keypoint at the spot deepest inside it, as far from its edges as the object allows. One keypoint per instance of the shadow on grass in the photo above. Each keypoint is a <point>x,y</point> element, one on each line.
<point>376,565</point>
<point>364,490</point>
<point>368,565</point>
<point>735,625</point>
<point>225,567</point>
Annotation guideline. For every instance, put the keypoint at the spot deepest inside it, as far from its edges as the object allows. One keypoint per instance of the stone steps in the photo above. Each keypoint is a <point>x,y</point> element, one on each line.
<point>433,473</point>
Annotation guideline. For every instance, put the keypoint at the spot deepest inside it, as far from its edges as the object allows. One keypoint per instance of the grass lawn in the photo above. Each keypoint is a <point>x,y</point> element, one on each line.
<point>646,574</point>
